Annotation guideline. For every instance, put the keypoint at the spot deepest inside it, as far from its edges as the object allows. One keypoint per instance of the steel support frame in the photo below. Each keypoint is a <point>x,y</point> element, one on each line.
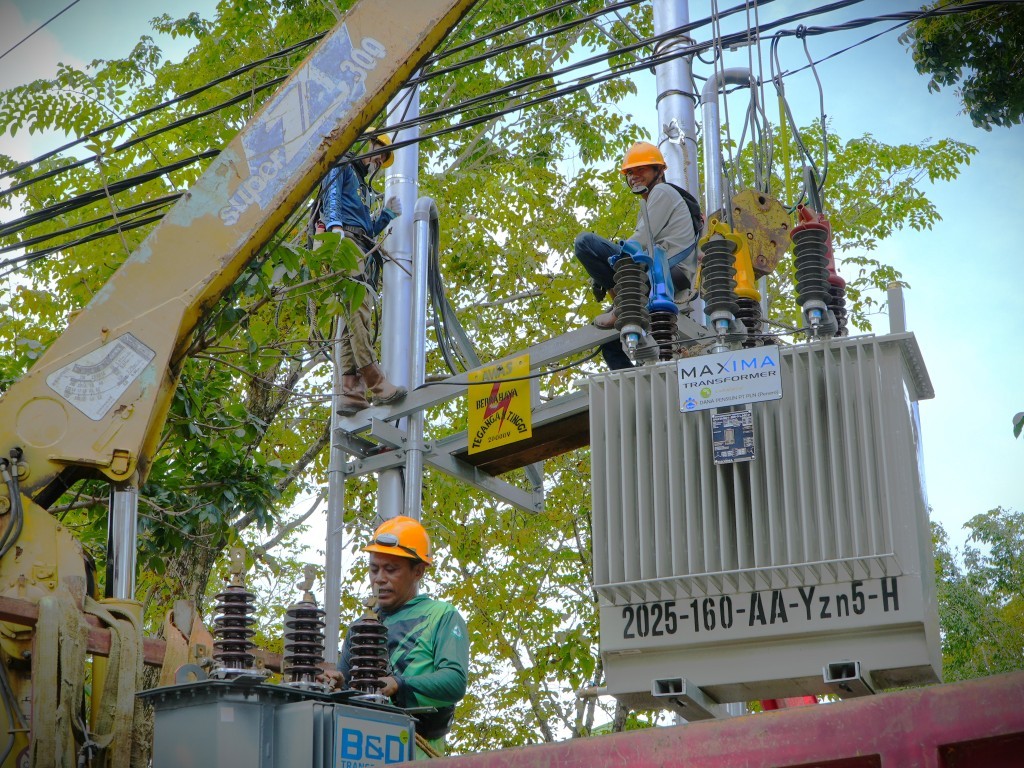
<point>361,436</point>
<point>399,441</point>
<point>442,453</point>
<point>367,457</point>
<point>546,352</point>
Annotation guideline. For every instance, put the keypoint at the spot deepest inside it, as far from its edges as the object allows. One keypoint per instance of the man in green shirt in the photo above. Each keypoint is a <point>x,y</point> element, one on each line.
<point>428,643</point>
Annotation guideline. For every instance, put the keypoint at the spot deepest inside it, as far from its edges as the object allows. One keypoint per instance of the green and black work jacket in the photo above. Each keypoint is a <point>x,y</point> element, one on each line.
<point>428,646</point>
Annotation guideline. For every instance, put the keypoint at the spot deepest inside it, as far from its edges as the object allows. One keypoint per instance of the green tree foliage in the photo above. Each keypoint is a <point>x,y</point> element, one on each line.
<point>979,54</point>
<point>245,436</point>
<point>981,596</point>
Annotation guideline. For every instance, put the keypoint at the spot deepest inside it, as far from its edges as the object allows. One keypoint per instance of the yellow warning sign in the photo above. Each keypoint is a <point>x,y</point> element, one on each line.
<point>499,410</point>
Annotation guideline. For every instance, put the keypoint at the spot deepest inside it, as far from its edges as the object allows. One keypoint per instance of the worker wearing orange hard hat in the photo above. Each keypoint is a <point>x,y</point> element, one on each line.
<point>672,221</point>
<point>428,642</point>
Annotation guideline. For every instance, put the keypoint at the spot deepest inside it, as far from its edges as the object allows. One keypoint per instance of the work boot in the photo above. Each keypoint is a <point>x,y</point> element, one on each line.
<point>353,395</point>
<point>384,392</point>
<point>606,321</point>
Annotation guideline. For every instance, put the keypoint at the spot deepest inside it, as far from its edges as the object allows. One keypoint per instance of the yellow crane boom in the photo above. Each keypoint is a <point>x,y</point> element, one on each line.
<point>96,401</point>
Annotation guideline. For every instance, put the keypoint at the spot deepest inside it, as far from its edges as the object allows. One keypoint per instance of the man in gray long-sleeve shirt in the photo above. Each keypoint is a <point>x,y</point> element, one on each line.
<point>670,223</point>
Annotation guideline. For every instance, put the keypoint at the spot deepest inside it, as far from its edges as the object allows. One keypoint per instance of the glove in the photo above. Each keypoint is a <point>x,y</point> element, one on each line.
<point>394,207</point>
<point>598,290</point>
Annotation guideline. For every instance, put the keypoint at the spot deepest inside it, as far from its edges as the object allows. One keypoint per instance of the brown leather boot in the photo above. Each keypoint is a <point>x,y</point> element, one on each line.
<point>353,395</point>
<point>384,392</point>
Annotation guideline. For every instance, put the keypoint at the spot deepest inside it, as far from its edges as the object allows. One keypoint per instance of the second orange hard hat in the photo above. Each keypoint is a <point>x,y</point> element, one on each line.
<point>401,536</point>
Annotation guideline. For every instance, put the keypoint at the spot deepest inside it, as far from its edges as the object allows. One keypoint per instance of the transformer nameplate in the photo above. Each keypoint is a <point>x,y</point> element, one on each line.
<point>718,618</point>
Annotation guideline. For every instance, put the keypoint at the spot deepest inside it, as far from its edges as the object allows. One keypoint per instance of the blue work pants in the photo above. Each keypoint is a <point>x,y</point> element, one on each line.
<point>593,252</point>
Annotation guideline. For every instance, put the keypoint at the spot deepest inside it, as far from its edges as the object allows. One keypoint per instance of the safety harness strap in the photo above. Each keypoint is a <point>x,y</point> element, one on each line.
<point>59,645</point>
<point>124,677</point>
<point>680,257</point>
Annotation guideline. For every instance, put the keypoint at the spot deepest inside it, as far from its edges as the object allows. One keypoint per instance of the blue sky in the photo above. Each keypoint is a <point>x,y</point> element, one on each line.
<point>965,303</point>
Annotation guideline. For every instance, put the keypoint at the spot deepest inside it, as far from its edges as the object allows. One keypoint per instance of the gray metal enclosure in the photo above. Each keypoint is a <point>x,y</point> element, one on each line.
<point>238,724</point>
<point>748,580</point>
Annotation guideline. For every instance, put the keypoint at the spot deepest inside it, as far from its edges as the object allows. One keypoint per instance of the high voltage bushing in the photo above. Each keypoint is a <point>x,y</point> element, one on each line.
<point>718,271</point>
<point>368,640</point>
<point>749,313</point>
<point>303,642</point>
<point>233,630</point>
<point>810,258</point>
<point>810,246</point>
<point>718,284</point>
<point>837,304</point>
<point>632,292</point>
<point>663,329</point>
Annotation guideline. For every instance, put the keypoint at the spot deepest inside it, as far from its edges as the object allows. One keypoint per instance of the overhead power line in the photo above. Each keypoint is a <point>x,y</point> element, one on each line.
<point>92,196</point>
<point>276,55</point>
<point>156,132</point>
<point>547,95</point>
<point>159,202</point>
<point>484,100</point>
<point>26,37</point>
<point>116,229</point>
<point>903,17</point>
<point>286,51</point>
<point>586,81</point>
<point>609,8</point>
<point>552,92</point>
<point>163,105</point>
<point>271,57</point>
<point>577,22</point>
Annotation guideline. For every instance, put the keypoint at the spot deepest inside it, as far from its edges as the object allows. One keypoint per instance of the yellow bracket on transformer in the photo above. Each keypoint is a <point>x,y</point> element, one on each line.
<point>746,283</point>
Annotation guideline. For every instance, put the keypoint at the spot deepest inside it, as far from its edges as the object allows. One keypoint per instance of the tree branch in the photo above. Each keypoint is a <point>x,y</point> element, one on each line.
<point>291,525</point>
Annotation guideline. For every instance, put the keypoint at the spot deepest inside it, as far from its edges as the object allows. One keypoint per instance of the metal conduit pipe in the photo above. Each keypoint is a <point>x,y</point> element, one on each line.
<point>713,187</point>
<point>426,237</point>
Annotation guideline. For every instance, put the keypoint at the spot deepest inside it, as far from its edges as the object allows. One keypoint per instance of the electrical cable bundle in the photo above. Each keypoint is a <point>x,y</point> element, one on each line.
<point>523,93</point>
<point>452,340</point>
<point>9,472</point>
<point>490,102</point>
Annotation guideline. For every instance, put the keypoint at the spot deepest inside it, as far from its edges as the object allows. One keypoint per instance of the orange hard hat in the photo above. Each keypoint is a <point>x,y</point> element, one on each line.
<point>401,536</point>
<point>642,153</point>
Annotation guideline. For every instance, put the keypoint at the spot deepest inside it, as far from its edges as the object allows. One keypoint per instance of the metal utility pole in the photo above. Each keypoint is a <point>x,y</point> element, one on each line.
<point>335,518</point>
<point>677,137</point>
<point>677,133</point>
<point>402,181</point>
